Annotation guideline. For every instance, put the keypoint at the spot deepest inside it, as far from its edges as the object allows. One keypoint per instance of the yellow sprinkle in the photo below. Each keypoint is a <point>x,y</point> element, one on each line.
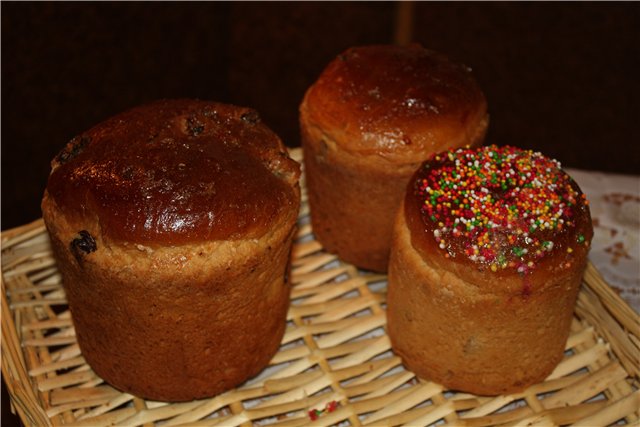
<point>493,267</point>
<point>569,250</point>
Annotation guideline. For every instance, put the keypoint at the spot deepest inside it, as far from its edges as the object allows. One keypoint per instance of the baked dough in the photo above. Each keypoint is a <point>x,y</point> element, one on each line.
<point>172,225</point>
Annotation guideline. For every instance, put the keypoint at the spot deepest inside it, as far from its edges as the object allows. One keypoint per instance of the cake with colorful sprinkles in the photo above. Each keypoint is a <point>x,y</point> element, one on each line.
<point>488,253</point>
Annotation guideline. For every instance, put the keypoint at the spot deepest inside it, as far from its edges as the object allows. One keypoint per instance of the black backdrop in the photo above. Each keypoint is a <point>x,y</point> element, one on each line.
<point>559,77</point>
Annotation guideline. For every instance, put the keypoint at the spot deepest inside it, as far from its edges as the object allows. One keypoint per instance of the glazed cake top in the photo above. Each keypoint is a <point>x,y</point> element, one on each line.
<point>176,171</point>
<point>391,98</point>
<point>500,208</point>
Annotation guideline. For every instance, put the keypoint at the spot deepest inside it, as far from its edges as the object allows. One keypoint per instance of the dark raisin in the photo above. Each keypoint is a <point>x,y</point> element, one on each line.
<point>251,117</point>
<point>194,126</point>
<point>72,149</point>
<point>152,137</point>
<point>83,244</point>
<point>127,173</point>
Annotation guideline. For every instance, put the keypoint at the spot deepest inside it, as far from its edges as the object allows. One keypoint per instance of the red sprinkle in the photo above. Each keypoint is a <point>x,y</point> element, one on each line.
<point>479,197</point>
<point>314,414</point>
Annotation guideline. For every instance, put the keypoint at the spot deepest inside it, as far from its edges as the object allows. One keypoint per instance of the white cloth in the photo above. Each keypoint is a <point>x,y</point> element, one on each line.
<point>615,210</point>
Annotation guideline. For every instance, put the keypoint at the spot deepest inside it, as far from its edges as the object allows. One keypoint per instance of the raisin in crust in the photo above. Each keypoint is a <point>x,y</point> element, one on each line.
<point>488,254</point>
<point>172,225</point>
<point>176,172</point>
<point>373,115</point>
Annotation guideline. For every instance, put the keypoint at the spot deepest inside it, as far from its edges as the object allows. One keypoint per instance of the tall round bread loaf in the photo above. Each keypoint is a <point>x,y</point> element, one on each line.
<point>488,254</point>
<point>172,225</point>
<point>374,114</point>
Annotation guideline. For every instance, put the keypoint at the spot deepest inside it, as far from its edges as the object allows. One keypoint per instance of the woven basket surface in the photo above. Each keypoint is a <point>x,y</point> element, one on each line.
<point>335,365</point>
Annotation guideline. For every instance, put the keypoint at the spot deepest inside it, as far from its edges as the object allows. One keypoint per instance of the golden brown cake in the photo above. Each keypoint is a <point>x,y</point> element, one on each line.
<point>374,114</point>
<point>171,225</point>
<point>488,253</point>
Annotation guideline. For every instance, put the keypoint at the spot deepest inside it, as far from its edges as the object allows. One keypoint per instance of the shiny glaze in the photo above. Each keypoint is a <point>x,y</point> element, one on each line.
<point>396,96</point>
<point>176,171</point>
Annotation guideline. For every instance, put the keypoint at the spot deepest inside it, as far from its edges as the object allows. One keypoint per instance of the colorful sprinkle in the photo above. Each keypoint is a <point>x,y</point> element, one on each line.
<point>480,199</point>
<point>314,414</point>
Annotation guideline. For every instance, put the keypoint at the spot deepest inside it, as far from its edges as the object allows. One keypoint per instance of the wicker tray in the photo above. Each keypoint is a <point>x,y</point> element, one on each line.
<point>335,365</point>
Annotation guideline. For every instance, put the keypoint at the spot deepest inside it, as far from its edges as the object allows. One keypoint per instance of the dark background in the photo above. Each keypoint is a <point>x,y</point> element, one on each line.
<point>561,78</point>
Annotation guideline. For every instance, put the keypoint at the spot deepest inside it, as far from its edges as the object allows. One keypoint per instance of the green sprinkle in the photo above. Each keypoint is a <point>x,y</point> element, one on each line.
<point>502,259</point>
<point>517,251</point>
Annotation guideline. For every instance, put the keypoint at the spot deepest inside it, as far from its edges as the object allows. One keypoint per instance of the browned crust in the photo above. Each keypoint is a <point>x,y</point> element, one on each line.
<point>195,303</point>
<point>366,125</point>
<point>176,323</point>
<point>176,172</point>
<point>459,333</point>
<point>352,215</point>
<point>398,101</point>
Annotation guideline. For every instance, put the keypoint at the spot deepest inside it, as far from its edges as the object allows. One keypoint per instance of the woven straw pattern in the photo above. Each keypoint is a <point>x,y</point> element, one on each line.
<point>335,364</point>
